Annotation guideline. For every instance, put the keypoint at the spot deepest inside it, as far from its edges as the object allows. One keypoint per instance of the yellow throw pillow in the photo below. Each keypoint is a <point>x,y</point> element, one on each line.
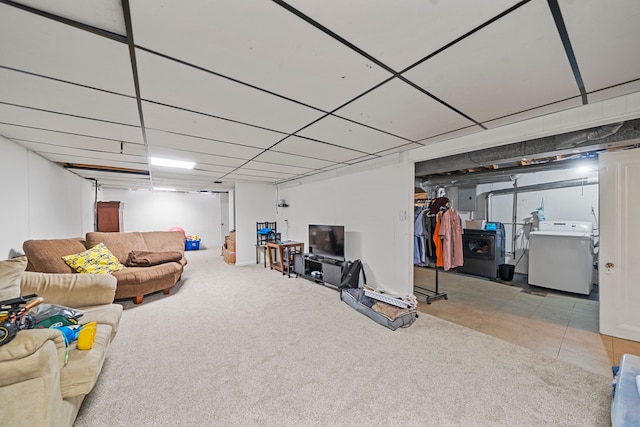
<point>97,260</point>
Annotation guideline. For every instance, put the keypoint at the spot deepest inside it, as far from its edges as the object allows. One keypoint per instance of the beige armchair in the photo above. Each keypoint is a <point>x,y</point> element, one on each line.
<point>42,381</point>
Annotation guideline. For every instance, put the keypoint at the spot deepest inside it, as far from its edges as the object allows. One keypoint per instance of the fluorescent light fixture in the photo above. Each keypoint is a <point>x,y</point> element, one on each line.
<point>156,161</point>
<point>163,189</point>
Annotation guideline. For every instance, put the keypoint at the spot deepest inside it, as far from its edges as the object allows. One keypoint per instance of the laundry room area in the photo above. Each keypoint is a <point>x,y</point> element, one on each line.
<point>529,244</point>
<point>534,226</point>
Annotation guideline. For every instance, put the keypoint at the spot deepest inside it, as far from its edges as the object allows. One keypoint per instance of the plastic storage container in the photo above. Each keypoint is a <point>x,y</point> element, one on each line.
<point>192,245</point>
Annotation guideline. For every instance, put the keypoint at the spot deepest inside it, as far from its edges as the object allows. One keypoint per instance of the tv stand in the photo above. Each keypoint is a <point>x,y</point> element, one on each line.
<point>327,271</point>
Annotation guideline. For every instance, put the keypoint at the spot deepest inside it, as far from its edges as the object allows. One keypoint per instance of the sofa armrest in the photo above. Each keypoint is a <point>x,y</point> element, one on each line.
<point>70,290</point>
<point>30,379</point>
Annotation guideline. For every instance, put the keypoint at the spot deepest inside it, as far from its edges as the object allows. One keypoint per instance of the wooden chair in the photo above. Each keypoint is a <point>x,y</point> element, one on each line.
<point>262,237</point>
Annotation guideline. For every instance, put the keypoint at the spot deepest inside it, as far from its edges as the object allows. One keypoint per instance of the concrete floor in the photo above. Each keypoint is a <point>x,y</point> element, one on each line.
<point>559,325</point>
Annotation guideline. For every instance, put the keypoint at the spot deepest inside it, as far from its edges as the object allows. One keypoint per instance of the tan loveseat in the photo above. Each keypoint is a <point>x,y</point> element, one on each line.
<point>37,386</point>
<point>133,282</point>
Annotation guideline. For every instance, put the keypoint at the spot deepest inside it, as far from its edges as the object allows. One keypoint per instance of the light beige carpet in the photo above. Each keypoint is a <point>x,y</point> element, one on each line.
<point>246,346</point>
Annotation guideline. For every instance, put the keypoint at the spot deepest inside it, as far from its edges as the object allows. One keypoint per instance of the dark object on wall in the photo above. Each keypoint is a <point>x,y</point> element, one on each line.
<point>506,272</point>
<point>467,201</point>
<point>110,216</point>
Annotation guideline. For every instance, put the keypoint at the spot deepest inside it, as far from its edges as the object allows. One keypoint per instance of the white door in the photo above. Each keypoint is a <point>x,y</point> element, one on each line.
<point>619,259</point>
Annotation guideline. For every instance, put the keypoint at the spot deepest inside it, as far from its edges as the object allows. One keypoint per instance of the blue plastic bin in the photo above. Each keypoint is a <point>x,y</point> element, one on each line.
<point>192,245</point>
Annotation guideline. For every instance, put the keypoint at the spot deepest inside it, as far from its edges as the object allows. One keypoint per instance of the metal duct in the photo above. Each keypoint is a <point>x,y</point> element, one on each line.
<point>570,143</point>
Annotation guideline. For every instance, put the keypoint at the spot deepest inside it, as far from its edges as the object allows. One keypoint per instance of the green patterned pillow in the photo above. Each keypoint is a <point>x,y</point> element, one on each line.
<point>97,260</point>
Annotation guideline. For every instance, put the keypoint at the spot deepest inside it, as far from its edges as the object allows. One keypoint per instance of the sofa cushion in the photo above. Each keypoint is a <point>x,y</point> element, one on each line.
<point>109,314</point>
<point>97,260</point>
<point>81,372</point>
<point>46,255</point>
<point>71,290</point>
<point>147,259</point>
<point>141,275</point>
<point>28,342</point>
<point>120,244</point>
<point>10,272</point>
<point>164,241</point>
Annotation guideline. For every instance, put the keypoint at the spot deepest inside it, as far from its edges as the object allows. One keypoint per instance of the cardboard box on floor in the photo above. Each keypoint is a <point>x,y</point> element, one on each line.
<point>229,256</point>
<point>230,241</point>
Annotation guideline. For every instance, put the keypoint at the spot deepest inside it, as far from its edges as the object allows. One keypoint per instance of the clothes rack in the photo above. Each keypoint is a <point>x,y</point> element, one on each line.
<point>433,295</point>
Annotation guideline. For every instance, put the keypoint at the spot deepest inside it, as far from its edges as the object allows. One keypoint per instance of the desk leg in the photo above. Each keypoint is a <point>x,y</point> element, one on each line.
<point>270,258</point>
<point>282,251</point>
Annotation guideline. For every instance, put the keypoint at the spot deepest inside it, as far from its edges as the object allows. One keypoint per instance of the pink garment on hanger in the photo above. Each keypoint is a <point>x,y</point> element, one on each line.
<point>451,234</point>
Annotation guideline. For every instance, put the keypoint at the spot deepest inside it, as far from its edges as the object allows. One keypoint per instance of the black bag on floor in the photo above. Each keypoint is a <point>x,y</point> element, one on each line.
<point>351,275</point>
<point>380,312</point>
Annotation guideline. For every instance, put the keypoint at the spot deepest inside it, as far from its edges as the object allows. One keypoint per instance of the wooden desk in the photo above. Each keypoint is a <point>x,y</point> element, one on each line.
<point>283,252</point>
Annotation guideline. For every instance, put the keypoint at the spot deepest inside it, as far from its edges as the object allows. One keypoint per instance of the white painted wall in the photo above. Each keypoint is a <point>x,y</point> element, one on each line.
<point>196,213</point>
<point>253,203</point>
<point>41,200</point>
<point>374,203</point>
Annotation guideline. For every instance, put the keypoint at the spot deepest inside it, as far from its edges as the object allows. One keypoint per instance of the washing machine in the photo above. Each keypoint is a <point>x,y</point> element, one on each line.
<point>561,256</point>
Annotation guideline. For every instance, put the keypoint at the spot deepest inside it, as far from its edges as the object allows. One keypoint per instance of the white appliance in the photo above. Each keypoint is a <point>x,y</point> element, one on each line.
<point>561,256</point>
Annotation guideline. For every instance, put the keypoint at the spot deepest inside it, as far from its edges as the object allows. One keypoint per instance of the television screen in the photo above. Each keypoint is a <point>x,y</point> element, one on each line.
<point>327,240</point>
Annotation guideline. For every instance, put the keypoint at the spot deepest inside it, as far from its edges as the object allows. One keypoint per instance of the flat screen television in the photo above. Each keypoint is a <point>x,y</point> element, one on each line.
<point>327,241</point>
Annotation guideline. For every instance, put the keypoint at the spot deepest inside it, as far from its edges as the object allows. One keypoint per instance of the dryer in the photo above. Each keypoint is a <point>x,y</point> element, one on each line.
<point>561,256</point>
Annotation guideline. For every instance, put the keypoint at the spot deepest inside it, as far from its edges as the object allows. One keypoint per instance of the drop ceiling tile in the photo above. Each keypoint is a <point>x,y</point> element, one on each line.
<point>40,45</point>
<point>362,159</point>
<point>402,32</point>
<point>407,147</point>
<point>37,92</point>
<point>85,151</point>
<point>89,156</point>
<point>273,167</point>
<point>103,14</point>
<point>88,160</point>
<point>451,135</point>
<point>59,122</point>
<point>189,123</point>
<point>171,83</point>
<point>319,150</point>
<point>535,112</point>
<point>248,178</point>
<point>157,139</point>
<point>259,43</point>
<point>490,75</point>
<point>292,160</point>
<point>194,174</point>
<point>347,134</point>
<point>61,139</point>
<point>402,110</point>
<point>261,173</point>
<point>605,37</point>
<point>200,159</point>
<point>624,89</point>
<point>119,179</point>
<point>112,176</point>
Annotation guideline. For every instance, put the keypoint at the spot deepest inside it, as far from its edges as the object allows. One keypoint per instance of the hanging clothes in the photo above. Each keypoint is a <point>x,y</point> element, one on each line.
<point>419,240</point>
<point>437,241</point>
<point>450,232</point>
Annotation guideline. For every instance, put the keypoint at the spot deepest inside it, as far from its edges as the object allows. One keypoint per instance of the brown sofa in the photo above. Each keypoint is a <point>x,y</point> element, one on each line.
<point>133,282</point>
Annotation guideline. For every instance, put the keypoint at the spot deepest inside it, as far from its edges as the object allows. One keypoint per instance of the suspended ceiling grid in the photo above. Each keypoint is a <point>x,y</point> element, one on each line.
<point>272,91</point>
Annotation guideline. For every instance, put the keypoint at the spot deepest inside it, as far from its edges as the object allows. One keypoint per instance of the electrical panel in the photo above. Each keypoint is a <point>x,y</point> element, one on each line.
<point>467,201</point>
